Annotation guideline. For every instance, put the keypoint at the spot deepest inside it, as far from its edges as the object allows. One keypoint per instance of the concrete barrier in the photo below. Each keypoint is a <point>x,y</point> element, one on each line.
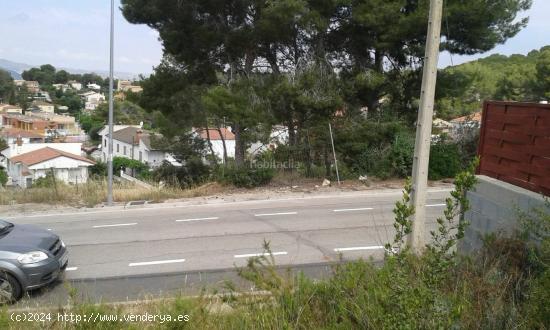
<point>494,208</point>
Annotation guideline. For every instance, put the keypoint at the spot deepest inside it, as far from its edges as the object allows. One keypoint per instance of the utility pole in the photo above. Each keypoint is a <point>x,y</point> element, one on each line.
<point>424,128</point>
<point>334,153</point>
<point>110,156</point>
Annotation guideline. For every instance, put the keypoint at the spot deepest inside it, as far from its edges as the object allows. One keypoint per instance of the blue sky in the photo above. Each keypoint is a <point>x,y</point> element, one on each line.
<point>75,34</point>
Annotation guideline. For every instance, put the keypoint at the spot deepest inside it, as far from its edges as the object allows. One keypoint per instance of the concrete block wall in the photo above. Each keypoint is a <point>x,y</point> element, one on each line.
<point>494,208</point>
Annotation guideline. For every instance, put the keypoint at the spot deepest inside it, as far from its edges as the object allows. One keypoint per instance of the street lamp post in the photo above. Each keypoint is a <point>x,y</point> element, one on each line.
<point>110,156</point>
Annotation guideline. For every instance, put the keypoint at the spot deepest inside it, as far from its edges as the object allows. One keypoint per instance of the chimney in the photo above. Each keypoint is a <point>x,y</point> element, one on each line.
<point>139,133</point>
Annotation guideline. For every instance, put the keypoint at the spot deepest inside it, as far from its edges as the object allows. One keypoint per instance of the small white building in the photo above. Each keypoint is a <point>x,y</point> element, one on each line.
<point>133,142</point>
<point>66,167</point>
<point>93,86</point>
<point>75,84</point>
<point>217,139</point>
<point>278,136</point>
<point>92,100</point>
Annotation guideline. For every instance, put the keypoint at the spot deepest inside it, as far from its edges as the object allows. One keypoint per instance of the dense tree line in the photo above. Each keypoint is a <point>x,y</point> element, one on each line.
<point>303,63</point>
<point>462,88</point>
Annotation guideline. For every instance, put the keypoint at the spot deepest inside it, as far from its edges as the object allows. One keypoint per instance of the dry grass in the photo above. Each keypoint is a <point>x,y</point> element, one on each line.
<point>95,192</point>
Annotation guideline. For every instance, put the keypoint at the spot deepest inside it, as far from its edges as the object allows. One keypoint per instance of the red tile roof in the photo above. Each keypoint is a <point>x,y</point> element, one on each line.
<point>44,154</point>
<point>472,117</point>
<point>215,135</point>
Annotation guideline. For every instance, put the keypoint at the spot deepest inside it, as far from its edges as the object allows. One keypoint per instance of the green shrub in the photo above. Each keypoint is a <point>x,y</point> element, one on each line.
<point>192,173</point>
<point>123,163</point>
<point>3,177</point>
<point>247,176</point>
<point>445,161</point>
<point>47,181</point>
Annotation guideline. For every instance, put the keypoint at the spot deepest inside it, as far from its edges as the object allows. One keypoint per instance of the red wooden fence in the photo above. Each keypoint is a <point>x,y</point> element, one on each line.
<point>514,144</point>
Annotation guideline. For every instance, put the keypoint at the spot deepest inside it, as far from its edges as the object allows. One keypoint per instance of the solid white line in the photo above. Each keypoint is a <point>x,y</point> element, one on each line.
<point>147,263</point>
<point>351,210</point>
<point>432,205</point>
<point>116,225</point>
<point>198,219</point>
<point>358,248</point>
<point>259,254</point>
<point>71,268</point>
<point>270,214</point>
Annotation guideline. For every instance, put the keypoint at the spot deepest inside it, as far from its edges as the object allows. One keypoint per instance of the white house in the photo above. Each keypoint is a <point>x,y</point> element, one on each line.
<point>75,84</point>
<point>218,139</point>
<point>67,167</point>
<point>93,86</point>
<point>135,143</point>
<point>92,100</point>
<point>278,136</point>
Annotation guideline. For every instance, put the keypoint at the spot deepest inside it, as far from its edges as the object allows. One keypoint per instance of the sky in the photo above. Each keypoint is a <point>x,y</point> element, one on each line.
<point>75,34</point>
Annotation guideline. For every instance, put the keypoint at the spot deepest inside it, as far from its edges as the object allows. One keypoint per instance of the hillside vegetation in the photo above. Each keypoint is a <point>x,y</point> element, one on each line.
<point>462,88</point>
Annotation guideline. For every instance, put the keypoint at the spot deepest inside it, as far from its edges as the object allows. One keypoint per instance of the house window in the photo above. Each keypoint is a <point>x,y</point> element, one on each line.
<point>140,156</point>
<point>124,150</point>
<point>117,147</point>
<point>105,143</point>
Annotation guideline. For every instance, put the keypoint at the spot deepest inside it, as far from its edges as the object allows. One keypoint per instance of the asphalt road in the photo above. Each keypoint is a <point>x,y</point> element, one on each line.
<point>124,249</point>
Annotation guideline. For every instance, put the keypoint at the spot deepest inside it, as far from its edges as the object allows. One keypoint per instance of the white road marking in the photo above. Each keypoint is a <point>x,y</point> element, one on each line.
<point>71,268</point>
<point>271,214</point>
<point>160,262</point>
<point>359,248</point>
<point>198,219</point>
<point>396,192</point>
<point>49,229</point>
<point>433,205</point>
<point>351,210</point>
<point>116,225</point>
<point>259,254</point>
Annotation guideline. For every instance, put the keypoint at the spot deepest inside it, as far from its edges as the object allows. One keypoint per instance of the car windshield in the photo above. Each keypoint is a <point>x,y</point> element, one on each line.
<point>5,226</point>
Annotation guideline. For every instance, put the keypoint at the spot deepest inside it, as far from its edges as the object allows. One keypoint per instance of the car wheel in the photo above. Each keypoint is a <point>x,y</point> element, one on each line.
<point>10,289</point>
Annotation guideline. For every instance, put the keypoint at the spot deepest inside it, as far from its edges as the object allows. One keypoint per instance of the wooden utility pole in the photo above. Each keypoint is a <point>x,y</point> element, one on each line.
<point>424,128</point>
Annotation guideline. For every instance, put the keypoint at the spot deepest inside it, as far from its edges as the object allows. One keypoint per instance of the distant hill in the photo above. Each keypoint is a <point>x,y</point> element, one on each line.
<point>462,88</point>
<point>16,69</point>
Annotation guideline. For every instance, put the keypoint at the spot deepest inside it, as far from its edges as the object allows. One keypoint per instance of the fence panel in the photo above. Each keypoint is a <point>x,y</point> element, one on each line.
<point>514,144</point>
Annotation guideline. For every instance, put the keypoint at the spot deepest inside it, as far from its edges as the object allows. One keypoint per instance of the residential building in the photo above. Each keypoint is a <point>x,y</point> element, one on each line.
<point>43,106</point>
<point>61,87</point>
<point>32,86</point>
<point>279,136</point>
<point>133,142</point>
<point>25,122</point>
<point>64,125</point>
<point>14,135</point>
<point>126,86</point>
<point>466,126</point>
<point>217,138</point>
<point>67,167</point>
<point>8,108</point>
<point>92,100</point>
<point>93,86</point>
<point>75,84</point>
<point>43,123</point>
<point>22,146</point>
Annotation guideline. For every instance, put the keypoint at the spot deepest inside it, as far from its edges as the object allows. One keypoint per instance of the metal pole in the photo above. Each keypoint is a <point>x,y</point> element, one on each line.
<point>110,156</point>
<point>424,128</point>
<point>334,154</point>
